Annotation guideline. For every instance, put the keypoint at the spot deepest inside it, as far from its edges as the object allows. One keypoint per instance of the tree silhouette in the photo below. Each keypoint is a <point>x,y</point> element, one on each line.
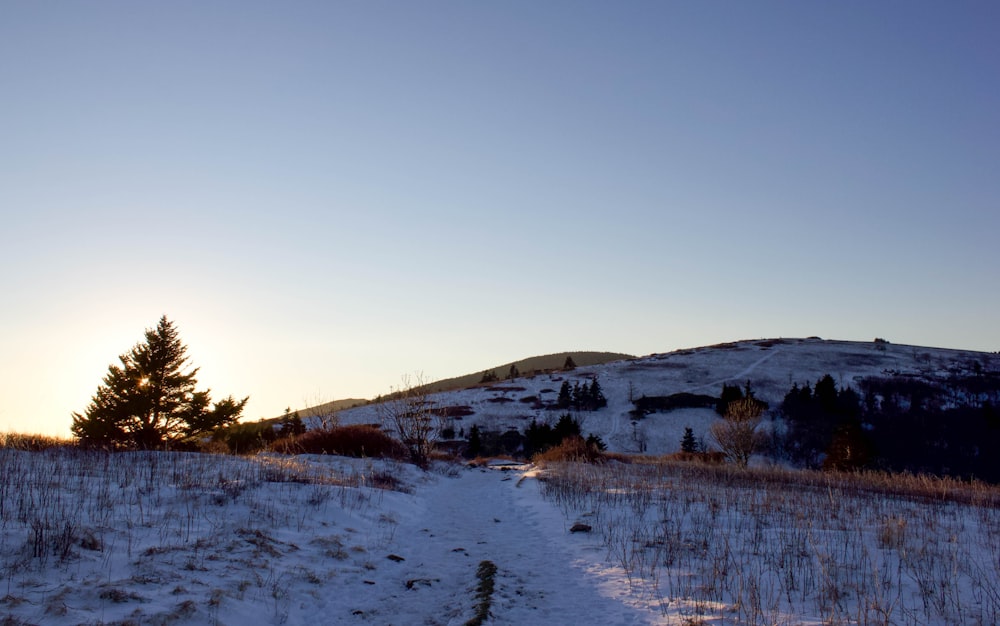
<point>149,400</point>
<point>475,446</point>
<point>730,393</point>
<point>565,399</point>
<point>688,442</point>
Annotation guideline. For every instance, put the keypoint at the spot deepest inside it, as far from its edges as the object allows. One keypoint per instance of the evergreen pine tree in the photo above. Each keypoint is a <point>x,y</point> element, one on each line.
<point>475,446</point>
<point>291,424</point>
<point>149,400</point>
<point>565,427</point>
<point>597,399</point>
<point>729,394</point>
<point>688,442</point>
<point>825,394</point>
<point>565,398</point>
<point>537,438</point>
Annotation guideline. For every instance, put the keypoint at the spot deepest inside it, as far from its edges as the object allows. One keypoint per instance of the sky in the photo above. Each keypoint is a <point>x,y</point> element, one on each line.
<point>326,197</point>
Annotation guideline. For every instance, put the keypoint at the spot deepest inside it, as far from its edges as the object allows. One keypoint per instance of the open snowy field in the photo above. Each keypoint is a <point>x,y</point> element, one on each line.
<point>164,538</point>
<point>176,538</point>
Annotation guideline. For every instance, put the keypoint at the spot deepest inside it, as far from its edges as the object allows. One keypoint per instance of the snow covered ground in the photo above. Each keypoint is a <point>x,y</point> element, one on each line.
<point>163,538</point>
<point>175,538</point>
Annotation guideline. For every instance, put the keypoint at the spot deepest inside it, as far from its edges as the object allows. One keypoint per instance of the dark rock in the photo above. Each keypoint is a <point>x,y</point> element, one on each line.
<point>414,583</point>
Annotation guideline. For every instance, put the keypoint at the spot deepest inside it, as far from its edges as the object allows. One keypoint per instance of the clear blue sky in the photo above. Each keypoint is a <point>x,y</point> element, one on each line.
<point>325,196</point>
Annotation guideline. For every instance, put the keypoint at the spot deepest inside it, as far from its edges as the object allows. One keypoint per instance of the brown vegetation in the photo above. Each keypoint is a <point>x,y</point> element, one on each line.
<point>358,440</point>
<point>32,442</point>
<point>737,434</point>
<point>571,449</point>
<point>754,544</point>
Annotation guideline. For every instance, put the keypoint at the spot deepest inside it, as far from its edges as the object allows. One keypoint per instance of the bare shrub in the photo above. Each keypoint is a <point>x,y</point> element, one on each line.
<point>737,434</point>
<point>408,412</point>
<point>322,413</point>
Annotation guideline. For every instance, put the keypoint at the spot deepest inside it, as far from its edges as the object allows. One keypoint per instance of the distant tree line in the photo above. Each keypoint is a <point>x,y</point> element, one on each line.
<point>646,405</point>
<point>536,438</point>
<point>513,373</point>
<point>947,427</point>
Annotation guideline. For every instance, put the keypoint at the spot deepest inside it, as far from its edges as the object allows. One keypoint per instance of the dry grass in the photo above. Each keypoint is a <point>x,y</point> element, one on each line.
<point>767,546</point>
<point>165,517</point>
<point>33,442</point>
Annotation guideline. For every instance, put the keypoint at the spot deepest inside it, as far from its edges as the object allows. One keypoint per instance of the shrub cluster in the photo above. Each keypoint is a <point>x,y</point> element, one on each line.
<point>243,438</point>
<point>574,448</point>
<point>356,440</point>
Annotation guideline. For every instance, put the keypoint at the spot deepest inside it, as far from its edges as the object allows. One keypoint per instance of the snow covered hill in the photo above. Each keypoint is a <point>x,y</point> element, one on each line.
<point>771,366</point>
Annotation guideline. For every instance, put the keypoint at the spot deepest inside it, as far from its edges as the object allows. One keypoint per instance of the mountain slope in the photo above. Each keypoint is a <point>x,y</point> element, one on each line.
<point>771,366</point>
<point>527,366</point>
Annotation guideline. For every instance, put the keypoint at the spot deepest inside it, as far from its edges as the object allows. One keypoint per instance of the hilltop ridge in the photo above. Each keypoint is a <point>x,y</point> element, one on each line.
<point>771,366</point>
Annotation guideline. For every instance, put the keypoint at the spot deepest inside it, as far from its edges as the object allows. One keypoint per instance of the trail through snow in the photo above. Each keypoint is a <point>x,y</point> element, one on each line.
<point>739,375</point>
<point>546,575</point>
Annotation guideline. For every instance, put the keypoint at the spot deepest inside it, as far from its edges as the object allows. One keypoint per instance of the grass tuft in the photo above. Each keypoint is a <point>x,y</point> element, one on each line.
<point>486,573</point>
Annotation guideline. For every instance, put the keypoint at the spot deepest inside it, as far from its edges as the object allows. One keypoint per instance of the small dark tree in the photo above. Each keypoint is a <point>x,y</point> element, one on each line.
<point>730,393</point>
<point>291,424</point>
<point>537,438</point>
<point>569,364</point>
<point>489,377</point>
<point>514,373</point>
<point>688,442</point>
<point>595,442</point>
<point>149,400</point>
<point>565,399</point>
<point>596,396</point>
<point>475,446</point>
<point>565,427</point>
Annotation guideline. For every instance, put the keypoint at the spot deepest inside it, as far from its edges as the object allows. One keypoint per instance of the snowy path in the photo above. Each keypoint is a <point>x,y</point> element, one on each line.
<point>545,574</point>
<point>739,375</point>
